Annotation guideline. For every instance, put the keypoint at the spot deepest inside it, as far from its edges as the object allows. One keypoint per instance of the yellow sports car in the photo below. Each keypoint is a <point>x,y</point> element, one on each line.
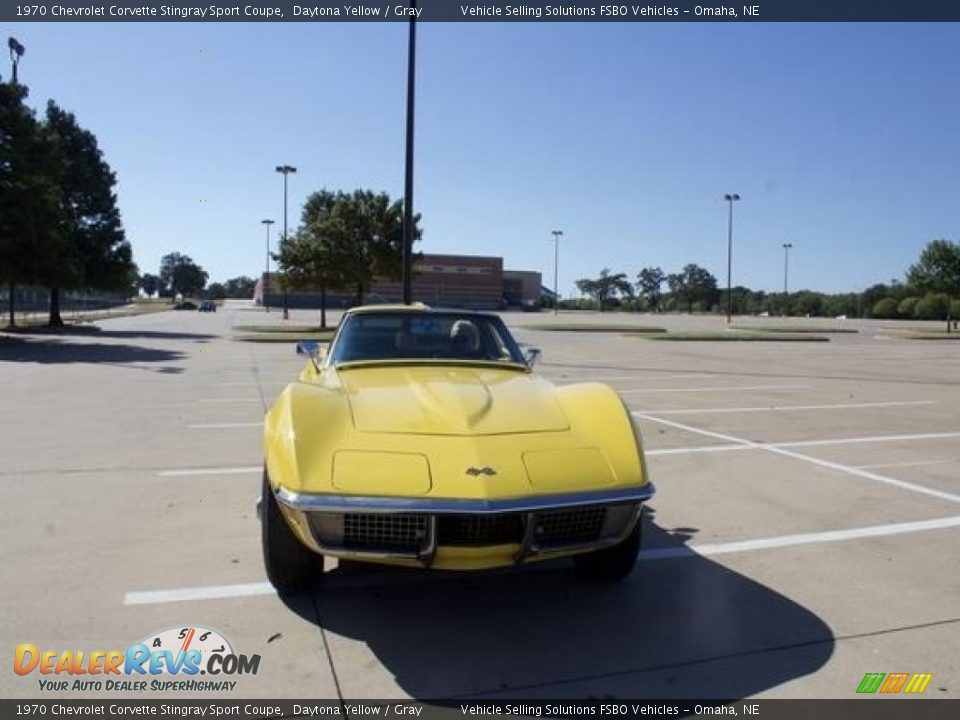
<point>423,438</point>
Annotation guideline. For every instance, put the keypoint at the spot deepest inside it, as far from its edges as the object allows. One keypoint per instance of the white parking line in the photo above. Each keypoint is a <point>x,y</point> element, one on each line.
<point>212,471</point>
<point>219,592</point>
<point>214,592</point>
<point>801,539</point>
<point>778,450</point>
<point>749,445</point>
<point>251,382</point>
<point>913,463</point>
<point>230,400</point>
<point>604,378</point>
<point>211,426</point>
<point>721,388</point>
<point>790,408</point>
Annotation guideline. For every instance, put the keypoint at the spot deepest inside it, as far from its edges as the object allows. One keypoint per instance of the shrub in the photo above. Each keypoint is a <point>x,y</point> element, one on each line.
<point>907,307</point>
<point>933,306</point>
<point>885,308</point>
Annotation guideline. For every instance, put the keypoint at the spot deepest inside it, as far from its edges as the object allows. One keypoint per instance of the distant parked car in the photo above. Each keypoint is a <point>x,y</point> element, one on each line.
<point>207,306</point>
<point>185,305</point>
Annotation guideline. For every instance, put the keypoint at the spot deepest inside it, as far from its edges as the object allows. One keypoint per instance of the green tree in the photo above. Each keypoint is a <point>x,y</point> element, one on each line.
<point>217,291</point>
<point>649,285</point>
<point>240,287</point>
<point>28,194</point>
<point>91,247</point>
<point>885,308</point>
<point>908,307</point>
<point>149,283</point>
<point>606,287</point>
<point>364,234</point>
<point>933,306</point>
<point>694,284</point>
<point>937,271</point>
<point>181,274</point>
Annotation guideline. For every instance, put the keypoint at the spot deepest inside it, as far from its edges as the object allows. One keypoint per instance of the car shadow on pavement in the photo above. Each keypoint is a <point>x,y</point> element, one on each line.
<point>53,351</point>
<point>685,627</point>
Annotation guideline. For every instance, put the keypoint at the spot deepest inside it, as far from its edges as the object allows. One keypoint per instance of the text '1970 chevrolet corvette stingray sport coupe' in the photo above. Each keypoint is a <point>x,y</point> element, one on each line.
<point>423,438</point>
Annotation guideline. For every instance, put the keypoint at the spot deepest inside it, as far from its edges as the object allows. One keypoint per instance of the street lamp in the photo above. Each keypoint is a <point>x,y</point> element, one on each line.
<point>556,263</point>
<point>16,52</point>
<point>786,264</point>
<point>266,276</point>
<point>286,170</point>
<point>407,257</point>
<point>730,198</point>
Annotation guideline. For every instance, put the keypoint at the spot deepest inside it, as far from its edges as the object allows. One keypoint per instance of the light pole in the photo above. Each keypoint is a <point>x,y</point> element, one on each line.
<point>266,276</point>
<point>16,52</point>
<point>730,198</point>
<point>286,170</point>
<point>786,264</point>
<point>557,234</point>
<point>407,257</point>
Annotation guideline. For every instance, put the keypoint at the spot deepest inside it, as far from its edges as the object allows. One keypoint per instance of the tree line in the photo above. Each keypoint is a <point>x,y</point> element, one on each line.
<point>60,228</point>
<point>930,291</point>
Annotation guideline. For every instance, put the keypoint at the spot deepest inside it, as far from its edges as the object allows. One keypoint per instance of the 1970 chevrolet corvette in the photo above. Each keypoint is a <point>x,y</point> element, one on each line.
<point>423,438</point>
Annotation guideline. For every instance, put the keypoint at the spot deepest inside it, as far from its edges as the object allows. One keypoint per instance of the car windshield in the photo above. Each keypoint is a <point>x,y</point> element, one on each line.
<point>424,336</point>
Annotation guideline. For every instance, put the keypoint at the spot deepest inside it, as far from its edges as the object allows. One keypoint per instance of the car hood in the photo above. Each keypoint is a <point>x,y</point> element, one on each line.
<point>447,400</point>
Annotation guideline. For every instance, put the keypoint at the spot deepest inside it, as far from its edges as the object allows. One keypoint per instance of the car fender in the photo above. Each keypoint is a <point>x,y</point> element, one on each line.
<point>307,424</point>
<point>599,418</point>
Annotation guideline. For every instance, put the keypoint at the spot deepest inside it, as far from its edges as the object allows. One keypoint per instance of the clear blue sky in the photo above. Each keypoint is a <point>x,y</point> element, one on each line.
<point>842,139</point>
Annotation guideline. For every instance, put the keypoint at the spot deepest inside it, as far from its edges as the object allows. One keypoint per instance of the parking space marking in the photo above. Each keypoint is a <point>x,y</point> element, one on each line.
<point>801,539</point>
<point>212,471</point>
<point>219,592</point>
<point>596,378</point>
<point>230,400</point>
<point>910,463</point>
<point>749,445</point>
<point>721,388</point>
<point>793,408</point>
<point>252,381</point>
<point>778,449</point>
<point>215,592</point>
<point>211,426</point>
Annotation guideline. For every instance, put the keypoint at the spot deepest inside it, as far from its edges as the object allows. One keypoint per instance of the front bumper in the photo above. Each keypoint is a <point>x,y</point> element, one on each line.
<point>462,534</point>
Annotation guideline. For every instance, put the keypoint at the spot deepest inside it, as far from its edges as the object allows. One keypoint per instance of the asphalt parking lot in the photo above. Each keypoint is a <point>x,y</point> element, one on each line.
<point>806,528</point>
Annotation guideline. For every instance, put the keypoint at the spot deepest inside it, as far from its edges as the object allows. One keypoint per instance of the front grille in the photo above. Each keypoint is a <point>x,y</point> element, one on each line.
<point>384,532</point>
<point>473,530</point>
<point>570,526</point>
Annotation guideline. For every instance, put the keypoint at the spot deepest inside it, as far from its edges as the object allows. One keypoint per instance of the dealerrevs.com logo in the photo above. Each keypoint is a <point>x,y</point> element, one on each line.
<point>169,660</point>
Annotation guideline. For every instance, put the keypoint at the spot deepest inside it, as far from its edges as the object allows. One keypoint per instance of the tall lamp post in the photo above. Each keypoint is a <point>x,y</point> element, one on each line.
<point>786,264</point>
<point>286,170</point>
<point>266,276</point>
<point>557,234</point>
<point>731,198</point>
<point>407,257</point>
<point>16,52</point>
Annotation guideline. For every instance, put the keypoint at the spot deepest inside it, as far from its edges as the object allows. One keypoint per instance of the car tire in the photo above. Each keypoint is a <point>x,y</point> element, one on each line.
<point>291,567</point>
<point>613,563</point>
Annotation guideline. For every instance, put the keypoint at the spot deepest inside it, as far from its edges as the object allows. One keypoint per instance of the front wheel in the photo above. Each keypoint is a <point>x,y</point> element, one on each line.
<point>290,566</point>
<point>613,563</point>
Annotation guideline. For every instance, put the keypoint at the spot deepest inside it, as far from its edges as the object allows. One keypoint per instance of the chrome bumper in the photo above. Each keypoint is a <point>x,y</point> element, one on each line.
<point>429,513</point>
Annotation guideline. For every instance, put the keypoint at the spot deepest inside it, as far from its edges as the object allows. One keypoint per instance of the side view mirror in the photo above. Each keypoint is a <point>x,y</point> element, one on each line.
<point>531,354</point>
<point>314,350</point>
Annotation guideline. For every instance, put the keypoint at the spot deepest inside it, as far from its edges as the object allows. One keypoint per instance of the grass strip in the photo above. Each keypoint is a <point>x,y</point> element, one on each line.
<point>737,336</point>
<point>588,328</point>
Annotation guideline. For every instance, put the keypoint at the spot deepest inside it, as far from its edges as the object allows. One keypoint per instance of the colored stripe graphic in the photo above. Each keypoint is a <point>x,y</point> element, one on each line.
<point>894,682</point>
<point>918,682</point>
<point>870,683</point>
